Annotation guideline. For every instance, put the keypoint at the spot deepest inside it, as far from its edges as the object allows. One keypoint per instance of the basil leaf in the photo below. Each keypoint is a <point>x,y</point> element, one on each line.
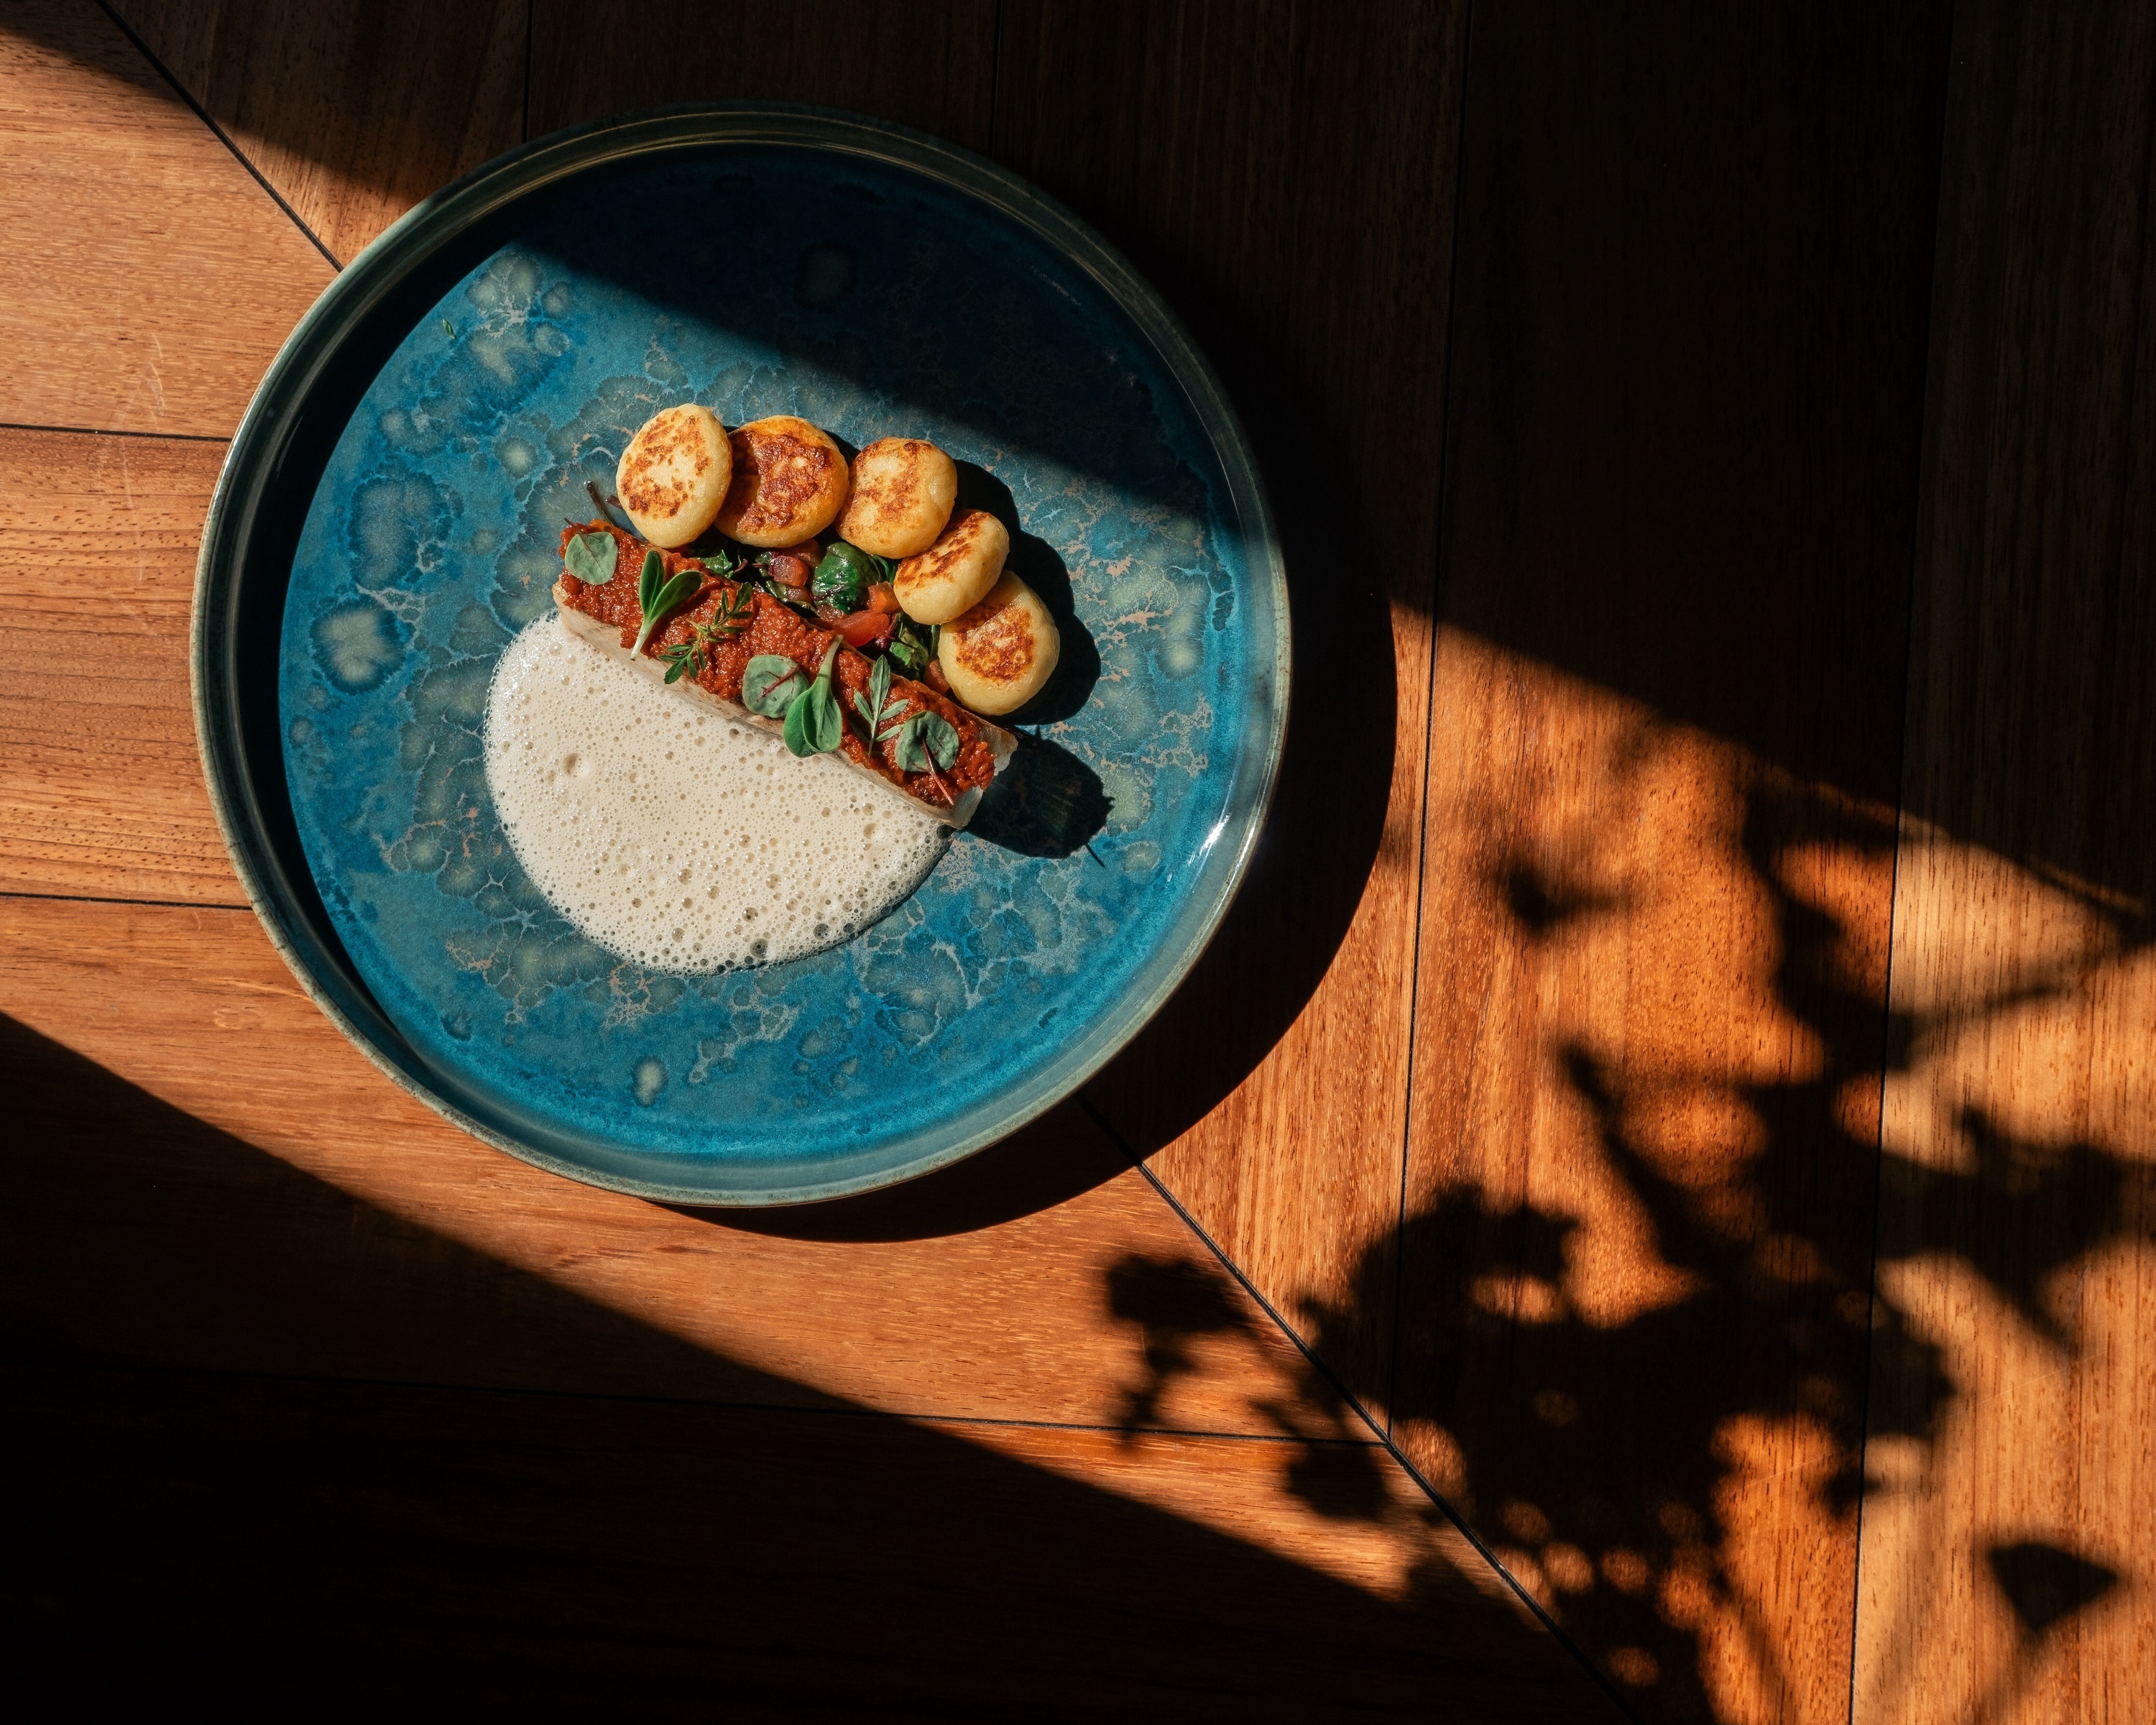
<point>648,584</point>
<point>925,738</point>
<point>811,723</point>
<point>590,557</point>
<point>667,598</point>
<point>826,729</point>
<point>814,724</point>
<point>796,728</point>
<point>770,684</point>
<point>682,586</point>
<point>842,578</point>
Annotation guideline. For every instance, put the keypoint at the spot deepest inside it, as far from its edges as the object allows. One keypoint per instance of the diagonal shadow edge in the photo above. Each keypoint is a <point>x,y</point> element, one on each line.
<point>139,1230</point>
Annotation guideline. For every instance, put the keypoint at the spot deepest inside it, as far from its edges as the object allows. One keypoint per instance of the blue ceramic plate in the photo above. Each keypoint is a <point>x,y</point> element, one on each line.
<point>388,520</point>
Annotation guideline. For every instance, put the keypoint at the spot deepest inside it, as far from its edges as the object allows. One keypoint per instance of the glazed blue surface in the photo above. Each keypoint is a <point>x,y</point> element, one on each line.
<point>873,300</point>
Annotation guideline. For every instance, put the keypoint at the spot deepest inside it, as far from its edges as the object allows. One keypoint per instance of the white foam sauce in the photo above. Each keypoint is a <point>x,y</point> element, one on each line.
<point>673,835</point>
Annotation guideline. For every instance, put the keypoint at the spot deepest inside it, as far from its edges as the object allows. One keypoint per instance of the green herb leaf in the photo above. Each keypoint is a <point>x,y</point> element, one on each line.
<point>771,683</point>
<point>814,726</point>
<point>842,579</point>
<point>661,596</point>
<point>449,329</point>
<point>590,557</point>
<point>882,715</point>
<point>909,648</point>
<point>738,611</point>
<point>693,657</point>
<point>650,580</point>
<point>879,689</point>
<point>924,738</point>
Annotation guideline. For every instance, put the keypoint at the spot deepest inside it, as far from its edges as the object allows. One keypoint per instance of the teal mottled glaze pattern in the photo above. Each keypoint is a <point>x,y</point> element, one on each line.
<point>856,290</point>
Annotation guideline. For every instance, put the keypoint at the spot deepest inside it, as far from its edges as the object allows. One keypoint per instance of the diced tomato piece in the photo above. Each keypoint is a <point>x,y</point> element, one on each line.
<point>864,629</point>
<point>883,597</point>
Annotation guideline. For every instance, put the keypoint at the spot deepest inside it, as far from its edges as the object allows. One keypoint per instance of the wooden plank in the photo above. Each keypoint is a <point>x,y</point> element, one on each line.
<point>1684,435</point>
<point>353,109</point>
<point>1288,183</point>
<point>100,781</point>
<point>2009,1471</point>
<point>930,65</point>
<point>262,1535</point>
<point>220,1181</point>
<point>148,279</point>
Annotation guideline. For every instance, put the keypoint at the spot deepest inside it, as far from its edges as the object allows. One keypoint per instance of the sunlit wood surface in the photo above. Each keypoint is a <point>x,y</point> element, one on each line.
<point>1668,1133</point>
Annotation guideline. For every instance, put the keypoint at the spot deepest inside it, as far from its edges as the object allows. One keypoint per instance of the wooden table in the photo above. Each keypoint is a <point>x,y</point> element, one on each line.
<point>1648,1205</point>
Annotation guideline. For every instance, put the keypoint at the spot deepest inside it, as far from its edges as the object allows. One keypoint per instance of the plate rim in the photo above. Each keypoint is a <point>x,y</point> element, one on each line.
<point>264,432</point>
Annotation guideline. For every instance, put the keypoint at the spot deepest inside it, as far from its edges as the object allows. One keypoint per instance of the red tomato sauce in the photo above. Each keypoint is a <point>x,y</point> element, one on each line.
<point>776,629</point>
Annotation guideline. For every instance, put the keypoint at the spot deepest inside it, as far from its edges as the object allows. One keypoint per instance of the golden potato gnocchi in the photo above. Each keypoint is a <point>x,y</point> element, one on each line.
<point>903,491</point>
<point>1002,652</point>
<point>673,476</point>
<point>789,483</point>
<point>957,572</point>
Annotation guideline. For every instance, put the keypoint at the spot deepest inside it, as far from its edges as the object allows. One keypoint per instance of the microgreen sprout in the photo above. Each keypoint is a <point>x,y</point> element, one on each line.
<point>657,593</point>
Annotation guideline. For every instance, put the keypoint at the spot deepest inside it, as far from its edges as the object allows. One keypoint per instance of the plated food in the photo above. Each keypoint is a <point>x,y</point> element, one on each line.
<point>787,482</point>
<point>903,488</point>
<point>852,612</point>
<point>674,475</point>
<point>503,323</point>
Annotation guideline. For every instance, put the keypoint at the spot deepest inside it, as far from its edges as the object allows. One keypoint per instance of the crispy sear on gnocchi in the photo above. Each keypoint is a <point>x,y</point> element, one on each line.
<point>876,557</point>
<point>674,475</point>
<point>1002,652</point>
<point>789,482</point>
<point>903,491</point>
<point>957,572</point>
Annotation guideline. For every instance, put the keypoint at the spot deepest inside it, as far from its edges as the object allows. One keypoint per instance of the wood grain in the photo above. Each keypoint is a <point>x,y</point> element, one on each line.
<point>930,65</point>
<point>148,279</point>
<point>1288,184</point>
<point>353,109</point>
<point>100,781</point>
<point>267,1538</point>
<point>2004,1572</point>
<point>254,1196</point>
<point>1683,435</point>
<point>325,1225</point>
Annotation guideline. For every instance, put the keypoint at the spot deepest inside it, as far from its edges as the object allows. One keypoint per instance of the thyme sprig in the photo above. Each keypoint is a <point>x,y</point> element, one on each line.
<point>693,657</point>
